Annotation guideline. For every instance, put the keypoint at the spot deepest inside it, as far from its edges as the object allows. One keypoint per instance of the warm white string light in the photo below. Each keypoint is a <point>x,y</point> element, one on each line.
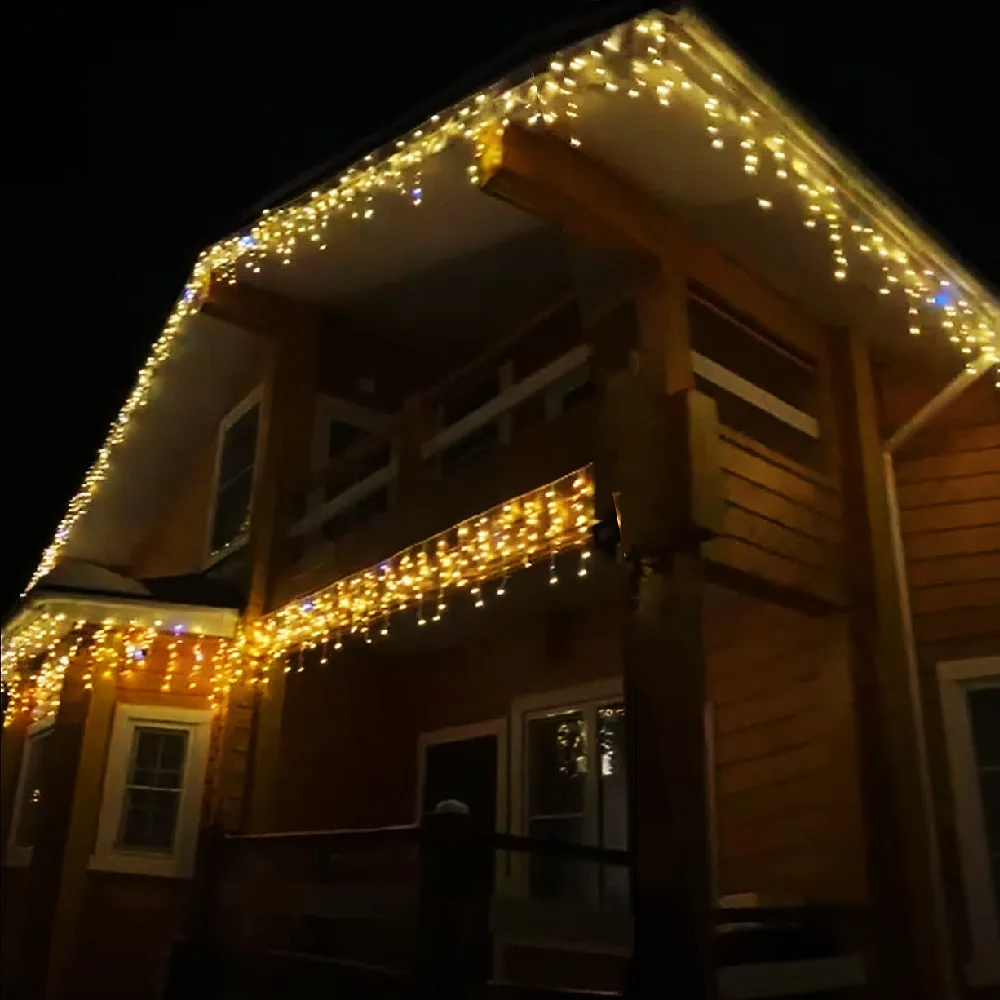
<point>649,58</point>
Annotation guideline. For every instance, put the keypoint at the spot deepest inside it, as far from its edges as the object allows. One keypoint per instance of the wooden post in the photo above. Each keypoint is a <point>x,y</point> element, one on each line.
<point>910,955</point>
<point>664,470</point>
<point>71,869</point>
<point>260,814</point>
<point>286,434</point>
<point>453,946</point>
<point>287,417</point>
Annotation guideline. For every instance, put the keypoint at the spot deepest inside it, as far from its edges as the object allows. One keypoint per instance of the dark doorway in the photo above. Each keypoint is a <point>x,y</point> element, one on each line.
<point>465,770</point>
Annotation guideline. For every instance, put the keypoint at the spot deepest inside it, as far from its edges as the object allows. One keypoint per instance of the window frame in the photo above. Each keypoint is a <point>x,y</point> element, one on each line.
<point>523,710</point>
<point>179,862</point>
<point>456,734</point>
<point>254,398</point>
<point>16,855</point>
<point>955,679</point>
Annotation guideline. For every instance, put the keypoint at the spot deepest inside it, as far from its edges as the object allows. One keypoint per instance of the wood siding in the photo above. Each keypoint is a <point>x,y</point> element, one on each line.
<point>948,488</point>
<point>176,542</point>
<point>783,522</point>
<point>787,802</point>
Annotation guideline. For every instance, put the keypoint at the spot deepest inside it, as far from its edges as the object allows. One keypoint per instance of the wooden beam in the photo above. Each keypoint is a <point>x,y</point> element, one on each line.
<point>541,174</point>
<point>911,945</point>
<point>353,363</point>
<point>259,311</point>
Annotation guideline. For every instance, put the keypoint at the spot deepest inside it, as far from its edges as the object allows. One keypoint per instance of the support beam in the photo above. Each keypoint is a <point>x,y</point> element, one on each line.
<point>354,363</point>
<point>663,467</point>
<point>910,948</point>
<point>542,175</point>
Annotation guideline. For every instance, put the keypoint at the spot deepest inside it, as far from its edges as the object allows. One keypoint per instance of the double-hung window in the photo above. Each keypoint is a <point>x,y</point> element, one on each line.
<point>970,702</point>
<point>235,468</point>
<point>30,793</point>
<point>153,790</point>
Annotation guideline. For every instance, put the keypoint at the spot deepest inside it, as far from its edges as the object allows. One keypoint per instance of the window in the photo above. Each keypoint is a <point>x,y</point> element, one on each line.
<point>153,791</point>
<point>235,475</point>
<point>575,790</point>
<point>970,702</point>
<point>29,795</point>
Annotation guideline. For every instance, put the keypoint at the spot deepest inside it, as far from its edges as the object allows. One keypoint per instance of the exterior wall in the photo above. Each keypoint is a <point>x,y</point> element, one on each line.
<point>110,933</point>
<point>125,925</point>
<point>29,894</point>
<point>787,802</point>
<point>948,487</point>
<point>176,542</point>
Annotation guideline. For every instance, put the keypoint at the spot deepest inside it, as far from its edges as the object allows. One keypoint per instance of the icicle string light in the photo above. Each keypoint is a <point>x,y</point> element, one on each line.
<point>492,545</point>
<point>489,546</point>
<point>655,59</point>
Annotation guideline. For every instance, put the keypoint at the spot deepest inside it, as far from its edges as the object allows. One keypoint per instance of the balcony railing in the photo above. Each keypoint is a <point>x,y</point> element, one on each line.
<point>500,426</point>
<point>439,906</point>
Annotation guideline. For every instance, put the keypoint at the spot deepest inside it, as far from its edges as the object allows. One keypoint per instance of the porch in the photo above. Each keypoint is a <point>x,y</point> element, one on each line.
<point>403,911</point>
<point>516,709</point>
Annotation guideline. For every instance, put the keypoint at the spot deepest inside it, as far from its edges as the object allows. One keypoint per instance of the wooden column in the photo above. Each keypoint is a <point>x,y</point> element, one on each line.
<point>286,426</point>
<point>669,497</point>
<point>910,945</point>
<point>88,793</point>
<point>287,416</point>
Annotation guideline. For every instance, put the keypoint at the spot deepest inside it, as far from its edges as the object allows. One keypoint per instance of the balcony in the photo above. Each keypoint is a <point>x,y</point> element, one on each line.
<point>527,412</point>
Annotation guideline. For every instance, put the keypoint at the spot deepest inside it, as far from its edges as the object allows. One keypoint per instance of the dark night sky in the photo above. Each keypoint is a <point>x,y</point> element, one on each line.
<point>155,138</point>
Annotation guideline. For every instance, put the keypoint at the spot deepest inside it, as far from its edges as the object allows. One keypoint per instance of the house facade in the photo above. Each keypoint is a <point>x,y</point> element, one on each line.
<point>607,453</point>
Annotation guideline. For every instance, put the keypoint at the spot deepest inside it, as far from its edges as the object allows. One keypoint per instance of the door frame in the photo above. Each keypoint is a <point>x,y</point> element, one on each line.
<point>456,734</point>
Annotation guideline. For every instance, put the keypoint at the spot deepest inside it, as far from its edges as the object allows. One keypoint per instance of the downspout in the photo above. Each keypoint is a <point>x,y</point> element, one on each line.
<point>930,409</point>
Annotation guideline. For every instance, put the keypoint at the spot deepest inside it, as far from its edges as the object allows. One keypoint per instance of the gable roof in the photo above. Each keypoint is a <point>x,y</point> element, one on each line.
<point>662,60</point>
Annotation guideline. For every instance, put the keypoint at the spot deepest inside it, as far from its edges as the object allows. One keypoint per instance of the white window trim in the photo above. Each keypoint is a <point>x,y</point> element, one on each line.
<point>18,856</point>
<point>955,678</point>
<point>247,403</point>
<point>555,701</point>
<point>179,863</point>
<point>455,734</point>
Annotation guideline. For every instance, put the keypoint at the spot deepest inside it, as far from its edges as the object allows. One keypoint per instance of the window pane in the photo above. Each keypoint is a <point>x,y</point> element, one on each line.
<point>232,510</point>
<point>557,878</point>
<point>153,791</point>
<point>989,783</point>
<point>613,797</point>
<point>35,764</point>
<point>557,761</point>
<point>613,779</point>
<point>239,446</point>
<point>158,757</point>
<point>149,819</point>
<point>984,712</point>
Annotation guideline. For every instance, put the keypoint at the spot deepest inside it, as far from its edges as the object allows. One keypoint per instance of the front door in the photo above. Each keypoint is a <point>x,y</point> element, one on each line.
<point>466,770</point>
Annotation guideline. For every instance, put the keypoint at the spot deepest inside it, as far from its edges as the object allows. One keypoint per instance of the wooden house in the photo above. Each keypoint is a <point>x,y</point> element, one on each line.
<point>608,454</point>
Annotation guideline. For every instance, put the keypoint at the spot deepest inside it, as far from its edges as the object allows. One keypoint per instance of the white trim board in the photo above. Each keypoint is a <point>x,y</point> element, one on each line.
<point>253,398</point>
<point>179,861</point>
<point>955,679</point>
<point>19,856</point>
<point>455,734</point>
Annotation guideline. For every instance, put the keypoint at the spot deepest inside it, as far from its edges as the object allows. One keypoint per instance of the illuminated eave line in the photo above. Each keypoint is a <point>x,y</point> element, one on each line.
<point>359,185</point>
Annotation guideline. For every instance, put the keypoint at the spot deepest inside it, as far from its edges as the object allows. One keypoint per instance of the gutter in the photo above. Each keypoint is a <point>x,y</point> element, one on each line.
<point>144,613</point>
<point>890,446</point>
